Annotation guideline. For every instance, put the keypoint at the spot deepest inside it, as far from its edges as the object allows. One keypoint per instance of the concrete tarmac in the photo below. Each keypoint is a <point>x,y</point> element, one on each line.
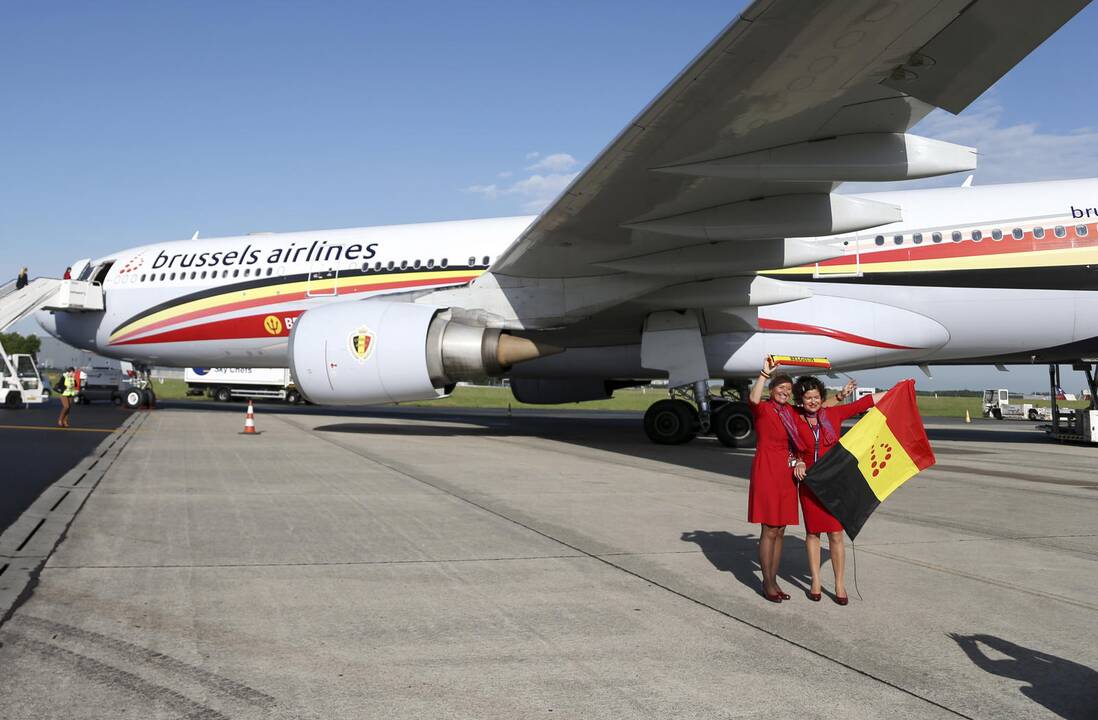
<point>426,563</point>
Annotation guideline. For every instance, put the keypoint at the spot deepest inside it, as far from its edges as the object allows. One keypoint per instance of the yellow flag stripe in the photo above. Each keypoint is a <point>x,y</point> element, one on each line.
<point>882,460</point>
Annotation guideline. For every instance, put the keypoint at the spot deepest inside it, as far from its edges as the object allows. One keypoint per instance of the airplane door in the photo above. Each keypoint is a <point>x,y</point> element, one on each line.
<point>849,265</point>
<point>323,281</point>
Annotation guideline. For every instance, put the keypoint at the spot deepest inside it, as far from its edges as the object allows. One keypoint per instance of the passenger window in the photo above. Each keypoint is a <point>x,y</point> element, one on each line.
<point>377,266</point>
<point>172,277</point>
<point>1038,232</point>
<point>1081,230</point>
<point>430,263</point>
<point>403,264</point>
<point>1059,231</point>
<point>236,273</point>
<point>898,239</point>
<point>936,237</point>
<point>996,234</point>
<point>880,239</point>
<point>390,266</point>
<point>917,238</point>
<point>977,236</point>
<point>247,272</point>
<point>487,261</point>
<point>365,267</point>
<point>444,262</point>
<point>142,277</point>
<point>1018,233</point>
<point>415,265</point>
<point>472,261</point>
<point>956,236</point>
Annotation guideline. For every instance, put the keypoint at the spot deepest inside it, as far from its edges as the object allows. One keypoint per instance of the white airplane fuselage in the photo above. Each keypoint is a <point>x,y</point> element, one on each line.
<point>984,273</point>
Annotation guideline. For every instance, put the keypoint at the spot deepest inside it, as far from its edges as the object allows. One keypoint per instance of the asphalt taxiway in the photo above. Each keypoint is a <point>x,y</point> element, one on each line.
<point>432,563</point>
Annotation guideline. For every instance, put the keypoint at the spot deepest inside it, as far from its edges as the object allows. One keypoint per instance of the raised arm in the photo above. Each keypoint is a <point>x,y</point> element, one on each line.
<point>839,397</point>
<point>760,382</point>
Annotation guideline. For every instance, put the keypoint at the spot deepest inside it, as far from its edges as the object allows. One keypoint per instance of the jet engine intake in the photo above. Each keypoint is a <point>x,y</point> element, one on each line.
<point>373,351</point>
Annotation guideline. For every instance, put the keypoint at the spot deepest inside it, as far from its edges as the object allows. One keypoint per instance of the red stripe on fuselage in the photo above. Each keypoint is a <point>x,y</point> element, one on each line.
<point>290,297</point>
<point>238,328</point>
<point>786,326</point>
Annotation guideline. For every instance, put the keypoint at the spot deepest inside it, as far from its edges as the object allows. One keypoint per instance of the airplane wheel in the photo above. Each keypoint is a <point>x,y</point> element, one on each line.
<point>735,425</point>
<point>132,398</point>
<point>670,422</point>
<point>223,395</point>
<point>150,398</point>
<point>293,397</point>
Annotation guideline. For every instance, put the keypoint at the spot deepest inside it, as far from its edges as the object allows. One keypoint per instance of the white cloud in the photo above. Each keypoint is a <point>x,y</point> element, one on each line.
<point>555,163</point>
<point>1020,152</point>
<point>532,193</point>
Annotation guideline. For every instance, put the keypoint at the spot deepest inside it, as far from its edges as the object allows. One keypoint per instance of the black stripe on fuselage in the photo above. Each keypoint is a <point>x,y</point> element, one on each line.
<point>279,280</point>
<point>1065,277</point>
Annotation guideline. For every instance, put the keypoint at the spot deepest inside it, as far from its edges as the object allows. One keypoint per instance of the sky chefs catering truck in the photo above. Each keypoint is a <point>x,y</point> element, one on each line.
<point>224,384</point>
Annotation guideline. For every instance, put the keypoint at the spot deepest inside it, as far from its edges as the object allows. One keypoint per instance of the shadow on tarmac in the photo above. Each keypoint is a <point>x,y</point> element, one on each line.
<point>1063,687</point>
<point>738,554</point>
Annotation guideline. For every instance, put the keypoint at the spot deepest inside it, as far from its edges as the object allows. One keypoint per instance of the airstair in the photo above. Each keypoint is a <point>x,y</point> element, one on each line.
<point>20,382</point>
<point>48,294</point>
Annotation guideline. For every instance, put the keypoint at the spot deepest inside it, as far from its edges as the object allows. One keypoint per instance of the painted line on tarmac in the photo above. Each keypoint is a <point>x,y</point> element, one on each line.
<point>47,427</point>
<point>604,560</point>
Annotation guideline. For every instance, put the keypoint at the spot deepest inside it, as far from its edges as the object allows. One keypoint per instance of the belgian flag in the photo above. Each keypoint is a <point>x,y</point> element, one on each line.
<point>876,456</point>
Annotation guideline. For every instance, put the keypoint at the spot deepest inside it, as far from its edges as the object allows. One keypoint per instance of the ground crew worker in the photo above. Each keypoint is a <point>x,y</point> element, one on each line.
<point>70,383</point>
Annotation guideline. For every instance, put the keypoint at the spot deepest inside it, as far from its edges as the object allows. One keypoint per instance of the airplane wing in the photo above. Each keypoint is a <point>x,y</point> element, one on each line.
<point>748,142</point>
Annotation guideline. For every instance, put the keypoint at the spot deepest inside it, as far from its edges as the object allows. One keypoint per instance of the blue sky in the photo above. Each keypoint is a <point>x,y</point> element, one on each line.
<point>128,123</point>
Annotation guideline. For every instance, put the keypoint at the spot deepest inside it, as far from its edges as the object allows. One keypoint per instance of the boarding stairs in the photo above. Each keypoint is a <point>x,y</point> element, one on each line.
<point>48,294</point>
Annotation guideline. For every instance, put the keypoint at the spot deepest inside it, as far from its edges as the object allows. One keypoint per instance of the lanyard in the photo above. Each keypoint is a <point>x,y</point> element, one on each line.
<point>816,436</point>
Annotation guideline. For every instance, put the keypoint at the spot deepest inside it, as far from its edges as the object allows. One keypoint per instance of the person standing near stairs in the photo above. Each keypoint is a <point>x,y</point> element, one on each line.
<point>69,388</point>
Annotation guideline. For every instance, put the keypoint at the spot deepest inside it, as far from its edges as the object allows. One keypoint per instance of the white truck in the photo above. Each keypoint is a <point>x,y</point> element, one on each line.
<point>996,404</point>
<point>224,384</point>
<point>20,382</point>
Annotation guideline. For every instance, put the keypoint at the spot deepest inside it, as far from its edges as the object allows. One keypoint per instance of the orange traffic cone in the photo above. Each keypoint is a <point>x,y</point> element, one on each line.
<point>249,421</point>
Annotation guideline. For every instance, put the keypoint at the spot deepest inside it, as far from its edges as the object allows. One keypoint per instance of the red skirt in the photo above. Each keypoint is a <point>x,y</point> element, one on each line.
<point>817,519</point>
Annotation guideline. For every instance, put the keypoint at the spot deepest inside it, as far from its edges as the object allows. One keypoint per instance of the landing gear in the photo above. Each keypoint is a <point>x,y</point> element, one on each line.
<point>671,422</point>
<point>133,398</point>
<point>140,394</point>
<point>734,425</point>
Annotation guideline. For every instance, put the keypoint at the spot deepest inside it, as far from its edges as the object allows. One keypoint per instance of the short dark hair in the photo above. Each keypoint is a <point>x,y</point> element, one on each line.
<point>804,384</point>
<point>776,380</point>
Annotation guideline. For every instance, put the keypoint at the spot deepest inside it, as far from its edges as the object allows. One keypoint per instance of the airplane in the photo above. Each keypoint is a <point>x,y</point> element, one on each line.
<point>705,236</point>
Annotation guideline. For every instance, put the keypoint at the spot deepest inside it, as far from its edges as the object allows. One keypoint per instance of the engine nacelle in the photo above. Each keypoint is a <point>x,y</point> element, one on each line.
<point>375,351</point>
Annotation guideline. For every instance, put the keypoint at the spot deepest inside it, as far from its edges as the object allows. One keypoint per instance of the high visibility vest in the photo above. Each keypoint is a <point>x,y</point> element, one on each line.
<point>70,385</point>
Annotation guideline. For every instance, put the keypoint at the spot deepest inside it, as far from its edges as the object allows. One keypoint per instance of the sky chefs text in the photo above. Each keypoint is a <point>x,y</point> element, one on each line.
<point>319,251</point>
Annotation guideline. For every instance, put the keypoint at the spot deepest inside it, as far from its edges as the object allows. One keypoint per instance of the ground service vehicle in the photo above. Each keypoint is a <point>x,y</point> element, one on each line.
<point>20,383</point>
<point>224,384</point>
<point>100,383</point>
<point>996,404</point>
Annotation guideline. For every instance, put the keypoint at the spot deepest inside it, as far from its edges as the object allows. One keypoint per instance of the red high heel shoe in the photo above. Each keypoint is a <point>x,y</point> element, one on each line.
<point>841,600</point>
<point>775,598</point>
<point>814,597</point>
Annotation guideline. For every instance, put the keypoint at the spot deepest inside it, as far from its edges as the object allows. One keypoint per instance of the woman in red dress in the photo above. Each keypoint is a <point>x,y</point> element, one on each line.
<point>772,496</point>
<point>819,429</point>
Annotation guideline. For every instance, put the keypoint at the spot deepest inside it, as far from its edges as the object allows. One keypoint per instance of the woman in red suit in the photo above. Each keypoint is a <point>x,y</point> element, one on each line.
<point>819,429</point>
<point>772,496</point>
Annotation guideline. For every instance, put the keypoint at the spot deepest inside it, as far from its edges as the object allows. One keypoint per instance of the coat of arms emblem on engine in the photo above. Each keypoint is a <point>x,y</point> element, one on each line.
<point>362,343</point>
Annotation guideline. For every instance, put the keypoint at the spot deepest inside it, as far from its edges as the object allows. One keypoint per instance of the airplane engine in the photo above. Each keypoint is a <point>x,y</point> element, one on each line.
<point>374,351</point>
